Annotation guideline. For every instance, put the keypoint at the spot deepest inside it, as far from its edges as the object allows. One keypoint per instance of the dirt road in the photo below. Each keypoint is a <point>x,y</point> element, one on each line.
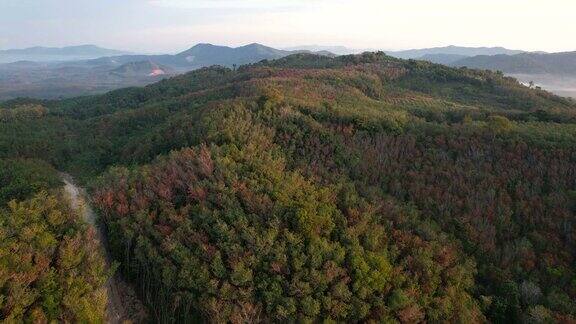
<point>119,293</point>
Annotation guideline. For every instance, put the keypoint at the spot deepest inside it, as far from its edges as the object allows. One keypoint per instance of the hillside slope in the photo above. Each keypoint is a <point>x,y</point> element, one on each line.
<point>311,188</point>
<point>52,269</point>
<point>142,69</point>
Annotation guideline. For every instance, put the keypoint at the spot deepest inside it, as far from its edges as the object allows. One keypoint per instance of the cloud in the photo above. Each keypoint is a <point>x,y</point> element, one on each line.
<point>365,23</point>
<point>228,4</point>
<point>157,25</point>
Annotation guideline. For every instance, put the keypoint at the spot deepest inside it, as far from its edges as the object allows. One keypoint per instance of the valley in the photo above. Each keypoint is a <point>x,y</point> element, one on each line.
<point>561,85</point>
<point>555,72</point>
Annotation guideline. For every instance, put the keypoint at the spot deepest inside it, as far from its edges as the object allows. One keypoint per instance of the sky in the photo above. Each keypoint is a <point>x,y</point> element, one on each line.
<point>167,26</point>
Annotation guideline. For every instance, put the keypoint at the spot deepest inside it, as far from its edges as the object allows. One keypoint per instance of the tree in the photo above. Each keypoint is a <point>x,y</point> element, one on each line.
<point>52,268</point>
<point>500,124</point>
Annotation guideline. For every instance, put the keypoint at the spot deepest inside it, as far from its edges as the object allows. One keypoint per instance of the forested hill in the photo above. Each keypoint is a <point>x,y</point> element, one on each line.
<point>312,188</point>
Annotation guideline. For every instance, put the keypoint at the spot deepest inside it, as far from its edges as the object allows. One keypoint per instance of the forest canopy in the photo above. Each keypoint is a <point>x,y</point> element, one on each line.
<point>355,188</point>
<point>51,266</point>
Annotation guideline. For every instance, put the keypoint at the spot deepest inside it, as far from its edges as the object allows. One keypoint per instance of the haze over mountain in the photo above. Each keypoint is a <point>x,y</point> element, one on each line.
<point>142,69</point>
<point>47,54</point>
<point>338,50</point>
<point>208,54</point>
<point>205,54</point>
<point>70,76</point>
<point>92,76</point>
<point>527,63</point>
<point>456,51</point>
<point>452,50</point>
<point>555,72</point>
<point>445,59</point>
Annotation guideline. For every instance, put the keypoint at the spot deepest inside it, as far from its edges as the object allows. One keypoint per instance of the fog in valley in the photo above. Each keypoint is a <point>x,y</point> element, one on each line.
<point>561,85</point>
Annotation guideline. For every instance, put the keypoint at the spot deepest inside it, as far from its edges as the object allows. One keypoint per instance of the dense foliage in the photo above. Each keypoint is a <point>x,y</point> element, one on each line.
<point>50,265</point>
<point>21,178</point>
<point>311,188</point>
<point>267,244</point>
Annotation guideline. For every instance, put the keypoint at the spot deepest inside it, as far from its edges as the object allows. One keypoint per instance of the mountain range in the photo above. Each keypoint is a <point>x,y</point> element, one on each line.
<point>143,68</point>
<point>446,53</point>
<point>529,63</point>
<point>208,54</point>
<point>87,50</point>
<point>96,75</point>
<point>338,50</point>
<point>455,51</point>
<point>88,69</point>
<point>555,72</point>
<point>51,54</point>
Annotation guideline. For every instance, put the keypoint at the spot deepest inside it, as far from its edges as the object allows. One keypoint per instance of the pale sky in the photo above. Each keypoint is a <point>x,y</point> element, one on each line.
<point>174,25</point>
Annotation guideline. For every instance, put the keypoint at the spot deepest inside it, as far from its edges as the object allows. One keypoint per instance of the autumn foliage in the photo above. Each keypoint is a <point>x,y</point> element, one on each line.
<point>51,266</point>
<point>351,189</point>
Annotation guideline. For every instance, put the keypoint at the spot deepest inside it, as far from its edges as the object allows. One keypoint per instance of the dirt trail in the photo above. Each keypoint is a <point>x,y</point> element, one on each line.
<point>119,293</point>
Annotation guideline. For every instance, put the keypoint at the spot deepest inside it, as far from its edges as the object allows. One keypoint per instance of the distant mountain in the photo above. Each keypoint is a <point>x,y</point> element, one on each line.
<point>525,63</point>
<point>172,61</point>
<point>208,54</point>
<point>142,69</point>
<point>445,59</point>
<point>203,55</point>
<point>81,50</point>
<point>69,71</point>
<point>323,53</point>
<point>555,72</point>
<point>453,50</point>
<point>338,50</point>
<point>199,56</point>
<point>47,54</point>
<point>65,78</point>
<point>22,65</point>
